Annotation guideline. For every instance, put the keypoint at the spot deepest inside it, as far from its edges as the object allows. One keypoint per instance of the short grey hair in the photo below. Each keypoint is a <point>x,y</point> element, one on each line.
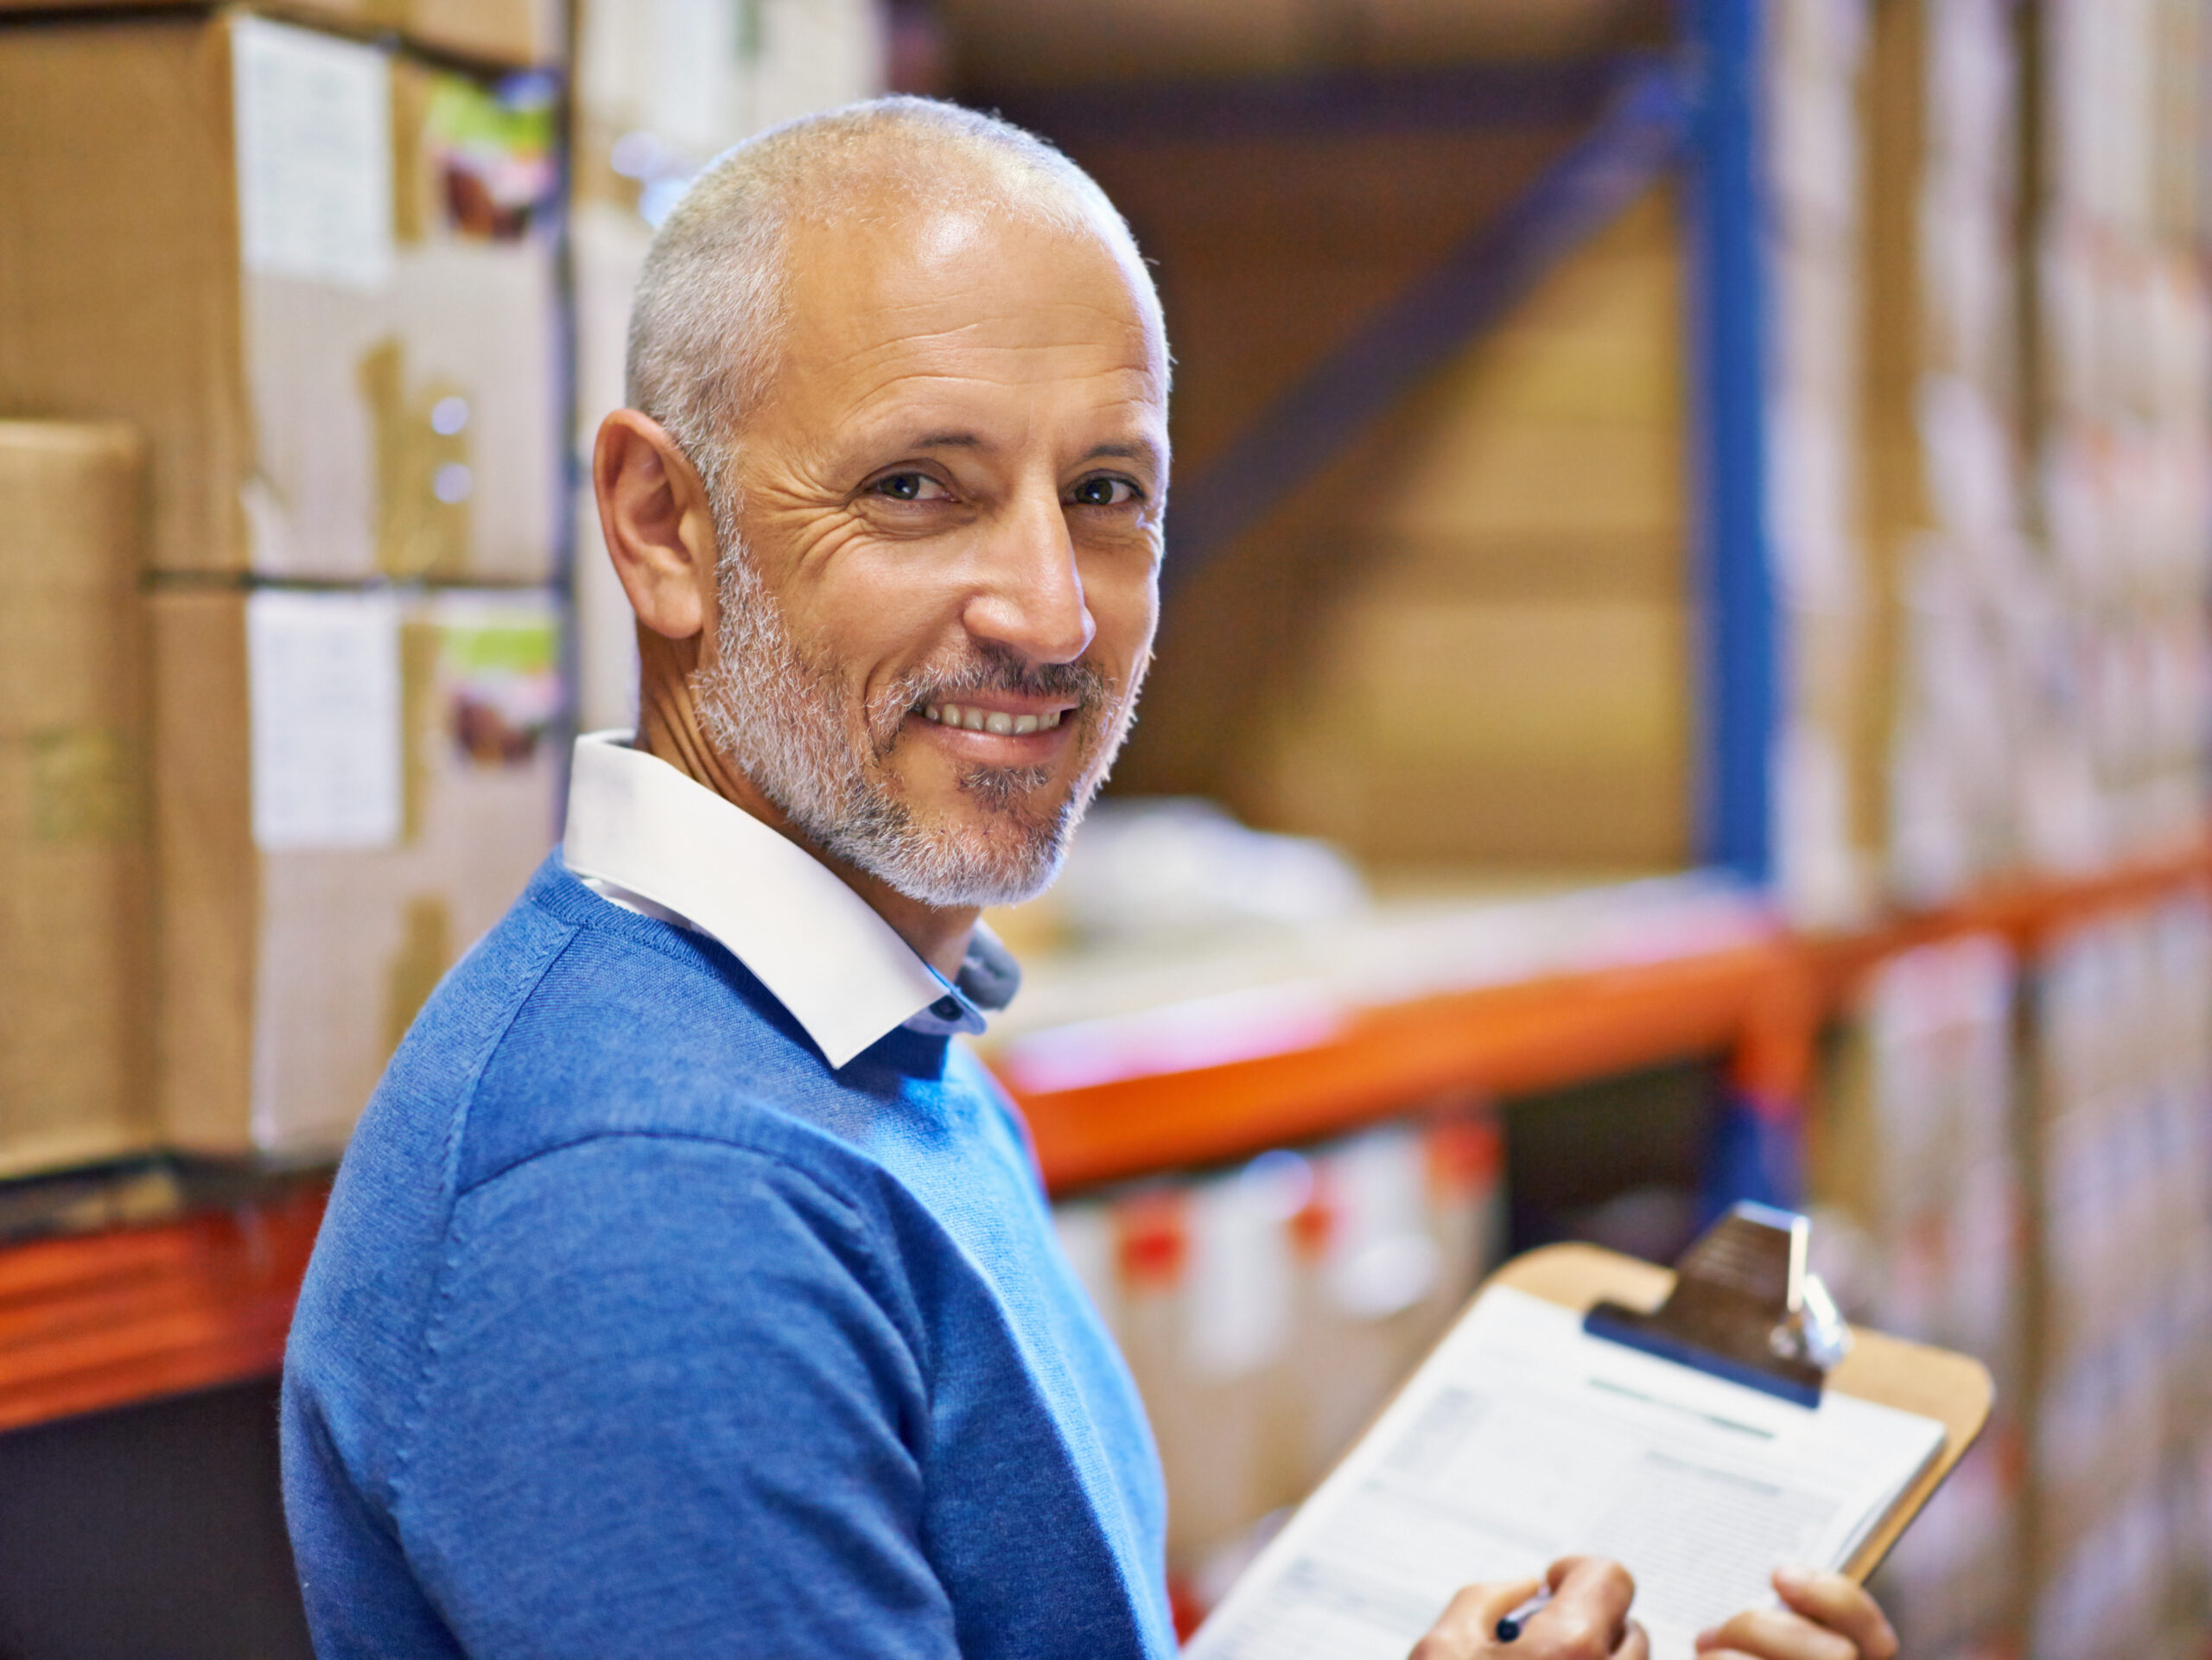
<point>710,306</point>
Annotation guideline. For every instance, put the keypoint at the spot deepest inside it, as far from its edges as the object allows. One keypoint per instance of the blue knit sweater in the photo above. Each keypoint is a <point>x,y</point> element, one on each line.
<point>635,1329</point>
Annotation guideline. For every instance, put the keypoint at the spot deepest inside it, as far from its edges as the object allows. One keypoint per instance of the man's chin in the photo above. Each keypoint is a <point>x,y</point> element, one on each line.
<point>965,863</point>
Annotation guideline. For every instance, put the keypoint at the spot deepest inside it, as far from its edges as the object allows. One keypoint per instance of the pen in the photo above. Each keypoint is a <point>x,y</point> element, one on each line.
<point>1509,1626</point>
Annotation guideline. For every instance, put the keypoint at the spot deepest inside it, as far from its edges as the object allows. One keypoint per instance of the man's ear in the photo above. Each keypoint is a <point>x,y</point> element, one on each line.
<point>659,523</point>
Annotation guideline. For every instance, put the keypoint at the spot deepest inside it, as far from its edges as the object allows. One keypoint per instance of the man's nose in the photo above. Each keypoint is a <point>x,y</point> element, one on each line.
<point>1028,594</point>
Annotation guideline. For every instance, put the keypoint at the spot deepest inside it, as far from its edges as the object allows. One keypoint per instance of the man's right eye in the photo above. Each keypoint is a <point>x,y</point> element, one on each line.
<point>910,487</point>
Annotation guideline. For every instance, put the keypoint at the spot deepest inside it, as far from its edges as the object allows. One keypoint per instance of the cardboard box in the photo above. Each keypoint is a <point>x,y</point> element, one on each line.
<point>350,786</point>
<point>513,34</point>
<point>663,86</point>
<point>317,274</point>
<point>1441,730</point>
<point>1471,641</point>
<point>72,822</point>
<point>1920,1227</point>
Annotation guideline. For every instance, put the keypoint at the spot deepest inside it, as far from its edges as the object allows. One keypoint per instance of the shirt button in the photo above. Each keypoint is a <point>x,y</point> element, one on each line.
<point>945,1008</point>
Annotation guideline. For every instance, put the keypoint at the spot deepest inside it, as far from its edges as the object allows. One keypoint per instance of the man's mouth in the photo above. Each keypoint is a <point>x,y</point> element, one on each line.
<point>967,717</point>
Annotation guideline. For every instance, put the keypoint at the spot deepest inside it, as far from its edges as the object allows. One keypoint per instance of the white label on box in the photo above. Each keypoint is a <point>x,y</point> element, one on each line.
<point>324,671</point>
<point>313,124</point>
<point>1382,1257</point>
<point>1241,1284</point>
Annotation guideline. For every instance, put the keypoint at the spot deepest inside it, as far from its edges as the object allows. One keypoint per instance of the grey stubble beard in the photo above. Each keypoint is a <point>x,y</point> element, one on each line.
<point>787,723</point>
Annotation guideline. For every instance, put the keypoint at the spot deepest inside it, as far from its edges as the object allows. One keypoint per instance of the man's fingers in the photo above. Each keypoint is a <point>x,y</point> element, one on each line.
<point>1832,1600</point>
<point>1586,1618</point>
<point>1588,1612</point>
<point>1468,1625</point>
<point>1774,1634</point>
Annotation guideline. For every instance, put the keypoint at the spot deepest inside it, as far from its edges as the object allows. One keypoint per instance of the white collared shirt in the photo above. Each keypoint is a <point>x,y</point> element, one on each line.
<point>643,836</point>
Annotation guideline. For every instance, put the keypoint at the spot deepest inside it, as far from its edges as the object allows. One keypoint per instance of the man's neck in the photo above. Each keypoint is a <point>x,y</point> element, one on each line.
<point>669,729</point>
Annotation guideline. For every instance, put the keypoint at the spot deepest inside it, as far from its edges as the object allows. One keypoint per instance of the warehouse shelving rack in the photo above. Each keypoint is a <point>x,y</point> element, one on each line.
<point>100,1320</point>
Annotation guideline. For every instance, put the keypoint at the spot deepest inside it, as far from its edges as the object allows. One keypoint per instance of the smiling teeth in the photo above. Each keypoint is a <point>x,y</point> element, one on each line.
<point>999,722</point>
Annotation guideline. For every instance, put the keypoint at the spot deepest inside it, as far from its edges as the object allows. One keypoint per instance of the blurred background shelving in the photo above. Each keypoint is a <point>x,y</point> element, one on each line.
<point>1684,675</point>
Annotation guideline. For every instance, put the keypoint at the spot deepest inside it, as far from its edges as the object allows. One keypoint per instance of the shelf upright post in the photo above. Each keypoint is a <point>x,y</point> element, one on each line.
<point>1739,637</point>
<point>1755,1149</point>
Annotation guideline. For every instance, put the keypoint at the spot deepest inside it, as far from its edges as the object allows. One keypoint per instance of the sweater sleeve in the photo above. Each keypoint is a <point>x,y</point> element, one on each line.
<point>669,1409</point>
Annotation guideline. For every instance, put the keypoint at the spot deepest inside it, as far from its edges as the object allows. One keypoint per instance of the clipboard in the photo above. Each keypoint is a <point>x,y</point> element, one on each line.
<point>1953,1390</point>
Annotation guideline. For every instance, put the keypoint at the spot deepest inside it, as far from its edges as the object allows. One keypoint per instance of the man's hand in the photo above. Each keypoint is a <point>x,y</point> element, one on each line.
<point>1826,1617</point>
<point>1586,1618</point>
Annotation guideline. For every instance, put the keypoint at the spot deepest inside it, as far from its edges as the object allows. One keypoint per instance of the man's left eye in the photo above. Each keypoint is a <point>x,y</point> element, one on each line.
<point>1104,491</point>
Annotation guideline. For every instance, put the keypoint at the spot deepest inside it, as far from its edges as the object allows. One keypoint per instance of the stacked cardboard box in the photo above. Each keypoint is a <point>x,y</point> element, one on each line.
<point>318,274</point>
<point>2027,1154</point>
<point>514,34</point>
<point>1505,679</point>
<point>1919,1154</point>
<point>662,87</point>
<point>1268,1313</point>
<point>74,844</point>
<point>2123,1441</point>
<point>1964,738</point>
<point>351,785</point>
<point>315,273</point>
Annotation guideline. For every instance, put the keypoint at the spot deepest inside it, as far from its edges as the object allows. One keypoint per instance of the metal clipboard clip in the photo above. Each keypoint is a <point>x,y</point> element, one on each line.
<point>1745,1307</point>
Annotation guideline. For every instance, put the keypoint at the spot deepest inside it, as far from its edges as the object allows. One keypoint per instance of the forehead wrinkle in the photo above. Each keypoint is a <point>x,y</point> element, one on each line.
<point>1012,331</point>
<point>963,400</point>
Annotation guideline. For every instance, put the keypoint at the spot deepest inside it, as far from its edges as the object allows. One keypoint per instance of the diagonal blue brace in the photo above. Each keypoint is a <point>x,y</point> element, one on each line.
<point>1643,132</point>
<point>1457,98</point>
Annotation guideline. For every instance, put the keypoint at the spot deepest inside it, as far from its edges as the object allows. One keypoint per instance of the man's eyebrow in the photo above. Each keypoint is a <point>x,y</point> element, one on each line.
<point>949,441</point>
<point>1130,452</point>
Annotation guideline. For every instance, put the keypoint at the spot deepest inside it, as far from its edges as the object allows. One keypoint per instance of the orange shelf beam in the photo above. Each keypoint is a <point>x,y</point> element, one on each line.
<point>1515,1038</point>
<point>2025,913</point>
<point>1760,1006</point>
<point>100,1320</point>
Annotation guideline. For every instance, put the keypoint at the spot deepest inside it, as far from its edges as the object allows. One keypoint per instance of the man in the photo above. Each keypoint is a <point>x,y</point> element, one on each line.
<point>684,1291</point>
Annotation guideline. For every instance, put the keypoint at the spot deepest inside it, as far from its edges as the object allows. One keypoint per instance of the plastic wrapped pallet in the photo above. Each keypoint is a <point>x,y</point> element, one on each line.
<point>350,786</point>
<point>2041,520</point>
<point>318,274</point>
<point>73,1085</point>
<point>2125,348</point>
<point>1826,839</point>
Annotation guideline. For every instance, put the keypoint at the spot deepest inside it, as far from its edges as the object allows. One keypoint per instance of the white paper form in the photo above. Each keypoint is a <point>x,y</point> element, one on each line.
<point>1523,1439</point>
<point>323,683</point>
<point>313,135</point>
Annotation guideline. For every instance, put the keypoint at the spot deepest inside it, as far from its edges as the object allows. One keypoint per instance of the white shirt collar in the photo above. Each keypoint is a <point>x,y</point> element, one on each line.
<point>638,824</point>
